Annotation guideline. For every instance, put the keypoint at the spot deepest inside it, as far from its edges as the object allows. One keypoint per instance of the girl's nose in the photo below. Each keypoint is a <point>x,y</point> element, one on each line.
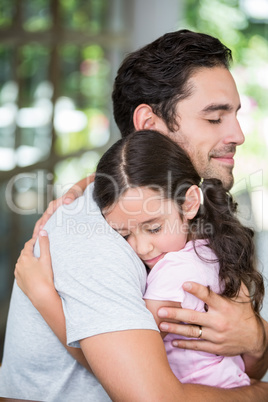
<point>141,245</point>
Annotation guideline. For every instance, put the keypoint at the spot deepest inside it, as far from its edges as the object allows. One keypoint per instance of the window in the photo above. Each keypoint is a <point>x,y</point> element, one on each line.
<point>55,83</point>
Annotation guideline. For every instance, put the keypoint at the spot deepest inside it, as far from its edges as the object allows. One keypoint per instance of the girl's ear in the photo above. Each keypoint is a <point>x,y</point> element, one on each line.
<point>192,202</point>
<point>145,119</point>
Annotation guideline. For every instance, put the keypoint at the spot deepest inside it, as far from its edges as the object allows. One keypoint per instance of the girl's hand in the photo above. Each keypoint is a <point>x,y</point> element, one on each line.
<point>72,194</point>
<point>34,275</point>
<point>66,199</point>
<point>35,278</point>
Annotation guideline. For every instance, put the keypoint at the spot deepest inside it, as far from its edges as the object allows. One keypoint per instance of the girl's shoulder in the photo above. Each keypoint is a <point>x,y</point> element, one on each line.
<point>193,250</point>
<point>196,258</point>
<point>195,262</point>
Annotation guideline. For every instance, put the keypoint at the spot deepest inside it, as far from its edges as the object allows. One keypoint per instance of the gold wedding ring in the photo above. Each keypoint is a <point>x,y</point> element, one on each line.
<point>200,331</point>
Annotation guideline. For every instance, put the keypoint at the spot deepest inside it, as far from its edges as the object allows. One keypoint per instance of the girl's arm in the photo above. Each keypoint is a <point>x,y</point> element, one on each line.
<point>154,306</point>
<point>74,192</point>
<point>230,328</point>
<point>35,278</point>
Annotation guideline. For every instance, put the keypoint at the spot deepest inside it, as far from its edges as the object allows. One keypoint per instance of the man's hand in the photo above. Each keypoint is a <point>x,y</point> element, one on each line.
<point>229,327</point>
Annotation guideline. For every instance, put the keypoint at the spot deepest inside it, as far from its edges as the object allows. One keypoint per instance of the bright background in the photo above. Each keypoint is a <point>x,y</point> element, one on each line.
<point>58,59</point>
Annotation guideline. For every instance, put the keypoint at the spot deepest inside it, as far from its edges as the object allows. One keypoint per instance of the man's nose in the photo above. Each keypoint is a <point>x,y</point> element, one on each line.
<point>236,135</point>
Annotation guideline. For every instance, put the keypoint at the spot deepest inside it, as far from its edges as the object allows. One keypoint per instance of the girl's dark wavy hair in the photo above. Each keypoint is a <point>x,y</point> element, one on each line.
<point>150,159</point>
<point>158,75</point>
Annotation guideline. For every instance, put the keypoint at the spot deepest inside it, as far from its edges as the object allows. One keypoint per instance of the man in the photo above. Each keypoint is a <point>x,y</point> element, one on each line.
<point>181,86</point>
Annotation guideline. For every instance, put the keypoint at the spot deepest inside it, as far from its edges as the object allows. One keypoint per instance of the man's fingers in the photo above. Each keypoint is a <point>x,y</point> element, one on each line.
<point>189,331</point>
<point>203,293</point>
<point>199,345</point>
<point>184,315</point>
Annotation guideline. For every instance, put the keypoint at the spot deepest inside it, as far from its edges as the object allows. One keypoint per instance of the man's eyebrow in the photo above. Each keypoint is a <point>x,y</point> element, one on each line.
<point>213,107</point>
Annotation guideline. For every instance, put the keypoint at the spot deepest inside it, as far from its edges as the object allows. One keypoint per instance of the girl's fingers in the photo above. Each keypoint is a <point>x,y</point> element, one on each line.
<point>29,244</point>
<point>28,247</point>
<point>44,246</point>
<point>52,207</point>
<point>37,228</point>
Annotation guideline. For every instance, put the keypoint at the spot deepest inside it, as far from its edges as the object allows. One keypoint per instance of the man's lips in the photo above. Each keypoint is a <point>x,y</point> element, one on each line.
<point>227,158</point>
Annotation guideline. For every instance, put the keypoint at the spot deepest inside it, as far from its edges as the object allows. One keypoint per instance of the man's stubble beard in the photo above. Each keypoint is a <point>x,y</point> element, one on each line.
<point>204,165</point>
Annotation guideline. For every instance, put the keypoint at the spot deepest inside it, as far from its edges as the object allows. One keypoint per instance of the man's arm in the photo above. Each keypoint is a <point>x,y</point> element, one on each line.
<point>229,328</point>
<point>256,366</point>
<point>132,366</point>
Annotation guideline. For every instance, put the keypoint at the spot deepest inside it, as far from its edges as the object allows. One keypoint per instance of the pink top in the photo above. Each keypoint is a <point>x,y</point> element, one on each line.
<point>165,283</point>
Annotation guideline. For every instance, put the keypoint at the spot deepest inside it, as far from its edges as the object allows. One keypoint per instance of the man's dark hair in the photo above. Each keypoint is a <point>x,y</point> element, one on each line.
<point>158,75</point>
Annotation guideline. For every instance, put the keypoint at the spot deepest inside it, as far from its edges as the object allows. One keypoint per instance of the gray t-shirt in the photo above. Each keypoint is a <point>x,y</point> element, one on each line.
<point>101,282</point>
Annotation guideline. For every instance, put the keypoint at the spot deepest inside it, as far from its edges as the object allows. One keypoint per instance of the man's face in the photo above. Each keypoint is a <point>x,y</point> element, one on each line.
<point>208,127</point>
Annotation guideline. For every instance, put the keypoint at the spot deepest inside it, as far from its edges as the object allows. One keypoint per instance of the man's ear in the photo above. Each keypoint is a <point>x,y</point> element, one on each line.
<point>192,202</point>
<point>145,119</point>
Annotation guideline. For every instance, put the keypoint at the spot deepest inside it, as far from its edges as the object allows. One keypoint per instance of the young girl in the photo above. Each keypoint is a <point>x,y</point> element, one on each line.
<point>183,230</point>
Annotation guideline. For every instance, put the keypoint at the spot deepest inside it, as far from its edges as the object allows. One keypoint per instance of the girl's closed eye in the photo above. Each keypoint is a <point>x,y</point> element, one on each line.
<point>155,230</point>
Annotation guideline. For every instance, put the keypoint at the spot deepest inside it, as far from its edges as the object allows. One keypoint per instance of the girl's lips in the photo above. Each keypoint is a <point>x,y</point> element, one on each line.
<point>154,260</point>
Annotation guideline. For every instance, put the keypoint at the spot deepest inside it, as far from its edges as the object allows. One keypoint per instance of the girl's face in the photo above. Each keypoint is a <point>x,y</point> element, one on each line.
<point>150,224</point>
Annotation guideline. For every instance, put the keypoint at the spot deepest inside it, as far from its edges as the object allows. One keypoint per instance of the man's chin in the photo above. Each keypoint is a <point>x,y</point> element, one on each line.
<point>227,181</point>
<point>225,175</point>
<point>228,185</point>
<point>226,178</point>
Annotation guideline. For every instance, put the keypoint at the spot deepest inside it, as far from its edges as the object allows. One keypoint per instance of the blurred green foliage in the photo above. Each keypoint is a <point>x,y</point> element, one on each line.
<point>78,70</point>
<point>36,15</point>
<point>84,15</point>
<point>7,10</point>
